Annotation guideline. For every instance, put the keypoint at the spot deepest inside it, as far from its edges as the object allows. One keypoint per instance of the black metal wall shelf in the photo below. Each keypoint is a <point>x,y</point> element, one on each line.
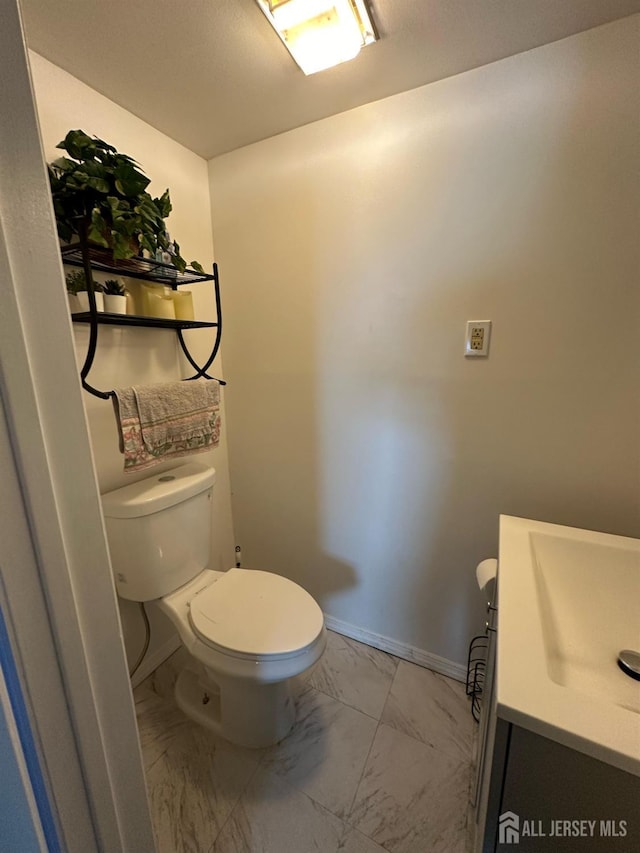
<point>91,257</point>
<point>107,319</point>
<point>143,268</point>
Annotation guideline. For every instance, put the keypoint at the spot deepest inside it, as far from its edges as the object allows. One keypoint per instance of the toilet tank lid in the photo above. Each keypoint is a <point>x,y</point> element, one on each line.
<point>158,492</point>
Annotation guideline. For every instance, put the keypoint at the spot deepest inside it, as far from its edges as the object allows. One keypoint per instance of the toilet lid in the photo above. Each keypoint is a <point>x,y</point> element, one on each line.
<point>256,613</point>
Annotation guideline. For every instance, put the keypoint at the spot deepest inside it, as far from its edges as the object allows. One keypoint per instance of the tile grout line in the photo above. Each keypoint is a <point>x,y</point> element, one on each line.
<point>352,642</point>
<point>457,755</point>
<point>386,698</point>
<point>235,805</point>
<point>346,704</point>
<point>375,734</point>
<point>359,782</point>
<point>347,811</point>
<point>364,765</point>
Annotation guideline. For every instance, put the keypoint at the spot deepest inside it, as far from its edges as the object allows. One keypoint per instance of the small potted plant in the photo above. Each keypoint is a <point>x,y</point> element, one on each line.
<point>115,296</point>
<point>78,295</point>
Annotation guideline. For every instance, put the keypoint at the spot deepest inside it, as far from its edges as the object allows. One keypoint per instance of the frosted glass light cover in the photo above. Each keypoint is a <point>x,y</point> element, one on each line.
<point>320,33</point>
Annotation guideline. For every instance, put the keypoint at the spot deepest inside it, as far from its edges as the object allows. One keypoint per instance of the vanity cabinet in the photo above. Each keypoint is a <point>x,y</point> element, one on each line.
<point>560,799</point>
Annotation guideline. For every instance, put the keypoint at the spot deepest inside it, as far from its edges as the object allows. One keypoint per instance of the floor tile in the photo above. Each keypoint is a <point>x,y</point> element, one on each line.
<point>431,708</point>
<point>339,783</point>
<point>160,724</point>
<point>412,797</point>
<point>355,674</point>
<point>274,817</point>
<point>193,778</point>
<point>326,752</point>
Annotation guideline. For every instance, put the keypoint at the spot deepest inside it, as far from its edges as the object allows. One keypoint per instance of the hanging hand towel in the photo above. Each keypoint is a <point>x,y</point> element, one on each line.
<point>129,433</point>
<point>159,422</point>
<point>179,416</point>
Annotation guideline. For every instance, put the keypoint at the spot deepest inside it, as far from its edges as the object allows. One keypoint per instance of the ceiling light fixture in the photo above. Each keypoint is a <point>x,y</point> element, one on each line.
<point>320,33</point>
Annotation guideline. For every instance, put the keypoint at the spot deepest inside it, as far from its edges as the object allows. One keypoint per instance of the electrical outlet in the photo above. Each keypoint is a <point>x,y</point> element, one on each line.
<point>477,339</point>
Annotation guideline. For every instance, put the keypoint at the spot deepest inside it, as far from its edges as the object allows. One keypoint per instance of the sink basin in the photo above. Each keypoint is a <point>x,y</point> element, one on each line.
<point>583,631</point>
<point>568,602</point>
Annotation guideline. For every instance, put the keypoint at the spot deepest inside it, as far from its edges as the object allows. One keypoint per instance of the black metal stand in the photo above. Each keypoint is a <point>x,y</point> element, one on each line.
<point>90,257</point>
<point>476,667</point>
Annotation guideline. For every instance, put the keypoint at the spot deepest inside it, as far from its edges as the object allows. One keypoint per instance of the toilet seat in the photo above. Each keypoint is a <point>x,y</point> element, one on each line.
<point>253,614</point>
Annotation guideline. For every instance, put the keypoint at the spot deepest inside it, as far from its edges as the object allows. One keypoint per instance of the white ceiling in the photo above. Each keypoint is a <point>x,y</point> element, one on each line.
<point>212,74</point>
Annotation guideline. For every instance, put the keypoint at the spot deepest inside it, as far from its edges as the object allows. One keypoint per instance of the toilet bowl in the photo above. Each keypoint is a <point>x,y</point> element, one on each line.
<point>249,633</point>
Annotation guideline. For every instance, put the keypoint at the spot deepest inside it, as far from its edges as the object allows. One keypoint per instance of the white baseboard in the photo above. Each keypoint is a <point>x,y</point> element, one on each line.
<point>400,650</point>
<point>152,661</point>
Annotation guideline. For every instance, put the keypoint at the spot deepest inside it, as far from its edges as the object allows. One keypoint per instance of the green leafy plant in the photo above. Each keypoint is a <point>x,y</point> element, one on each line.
<point>113,287</point>
<point>101,195</point>
<point>76,282</point>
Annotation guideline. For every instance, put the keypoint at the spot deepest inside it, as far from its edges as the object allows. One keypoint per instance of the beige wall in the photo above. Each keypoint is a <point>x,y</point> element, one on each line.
<point>369,459</point>
<point>128,356</point>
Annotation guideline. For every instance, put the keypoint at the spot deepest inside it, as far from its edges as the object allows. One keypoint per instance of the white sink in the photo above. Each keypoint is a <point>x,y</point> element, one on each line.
<point>568,602</point>
<point>589,604</point>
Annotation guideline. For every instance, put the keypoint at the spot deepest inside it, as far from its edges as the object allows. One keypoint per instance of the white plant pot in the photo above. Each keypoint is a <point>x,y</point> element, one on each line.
<point>114,304</point>
<point>82,300</point>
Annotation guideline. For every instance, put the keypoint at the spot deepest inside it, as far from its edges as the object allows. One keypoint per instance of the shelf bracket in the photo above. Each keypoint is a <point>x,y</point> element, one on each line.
<point>202,371</point>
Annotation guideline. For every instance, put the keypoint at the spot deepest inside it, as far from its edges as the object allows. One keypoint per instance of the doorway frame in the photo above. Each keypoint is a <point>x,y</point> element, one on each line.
<point>59,601</point>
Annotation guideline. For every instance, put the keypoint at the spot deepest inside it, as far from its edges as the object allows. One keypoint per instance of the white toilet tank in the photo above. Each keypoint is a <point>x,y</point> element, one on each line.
<point>159,531</point>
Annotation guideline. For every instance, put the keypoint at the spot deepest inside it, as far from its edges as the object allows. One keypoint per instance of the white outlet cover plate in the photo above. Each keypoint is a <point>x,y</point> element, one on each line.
<point>472,327</point>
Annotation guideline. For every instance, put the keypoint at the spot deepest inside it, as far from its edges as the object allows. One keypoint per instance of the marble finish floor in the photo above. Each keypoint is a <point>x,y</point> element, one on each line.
<point>379,761</point>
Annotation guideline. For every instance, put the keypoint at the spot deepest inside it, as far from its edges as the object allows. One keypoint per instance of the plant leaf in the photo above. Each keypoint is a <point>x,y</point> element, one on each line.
<point>99,229</point>
<point>98,184</point>
<point>179,262</point>
<point>78,144</point>
<point>163,204</point>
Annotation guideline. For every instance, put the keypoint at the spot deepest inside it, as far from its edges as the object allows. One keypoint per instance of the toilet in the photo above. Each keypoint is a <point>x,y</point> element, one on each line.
<point>248,632</point>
